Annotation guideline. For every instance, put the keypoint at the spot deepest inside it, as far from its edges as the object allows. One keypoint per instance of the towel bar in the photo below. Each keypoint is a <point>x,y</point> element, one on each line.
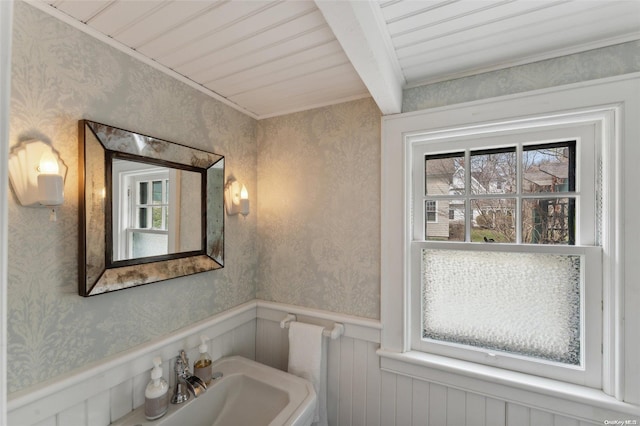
<point>334,333</point>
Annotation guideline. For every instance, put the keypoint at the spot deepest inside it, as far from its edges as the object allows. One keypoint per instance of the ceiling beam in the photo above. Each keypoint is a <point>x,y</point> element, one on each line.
<point>362,33</point>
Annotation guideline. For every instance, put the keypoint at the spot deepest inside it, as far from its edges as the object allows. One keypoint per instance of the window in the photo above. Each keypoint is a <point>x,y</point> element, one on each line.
<point>148,235</point>
<point>431,208</point>
<point>505,273</point>
<point>598,116</point>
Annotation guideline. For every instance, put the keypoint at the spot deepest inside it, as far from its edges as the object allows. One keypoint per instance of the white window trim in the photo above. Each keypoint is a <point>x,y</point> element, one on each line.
<point>617,101</point>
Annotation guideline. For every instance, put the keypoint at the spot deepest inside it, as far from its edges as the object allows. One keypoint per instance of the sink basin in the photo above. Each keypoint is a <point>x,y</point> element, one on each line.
<point>248,393</point>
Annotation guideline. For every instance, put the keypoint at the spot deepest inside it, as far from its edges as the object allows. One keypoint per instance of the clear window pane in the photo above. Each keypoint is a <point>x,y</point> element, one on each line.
<point>548,221</point>
<point>549,168</point>
<point>493,220</point>
<point>142,218</point>
<point>445,174</point>
<point>157,191</point>
<point>449,225</point>
<point>493,171</point>
<point>156,217</point>
<point>142,193</point>
<point>522,303</point>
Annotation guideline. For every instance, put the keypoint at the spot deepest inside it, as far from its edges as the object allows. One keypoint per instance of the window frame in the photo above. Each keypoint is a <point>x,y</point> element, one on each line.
<point>610,102</point>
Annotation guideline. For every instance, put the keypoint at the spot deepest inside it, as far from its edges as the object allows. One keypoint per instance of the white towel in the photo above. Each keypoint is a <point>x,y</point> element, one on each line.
<point>307,360</point>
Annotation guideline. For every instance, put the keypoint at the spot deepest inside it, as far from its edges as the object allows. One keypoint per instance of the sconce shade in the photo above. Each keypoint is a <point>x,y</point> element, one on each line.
<point>50,189</point>
<point>244,201</point>
<point>36,173</point>
<point>236,198</point>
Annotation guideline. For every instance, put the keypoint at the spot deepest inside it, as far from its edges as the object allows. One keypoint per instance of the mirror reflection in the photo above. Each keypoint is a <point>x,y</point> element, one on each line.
<point>156,210</point>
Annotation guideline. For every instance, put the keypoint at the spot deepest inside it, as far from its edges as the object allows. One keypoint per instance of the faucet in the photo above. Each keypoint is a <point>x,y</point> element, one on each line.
<point>184,381</point>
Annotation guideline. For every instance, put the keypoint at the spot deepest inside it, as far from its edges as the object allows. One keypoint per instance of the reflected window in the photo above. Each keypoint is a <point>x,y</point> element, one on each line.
<point>152,207</point>
<point>143,204</point>
<point>149,233</point>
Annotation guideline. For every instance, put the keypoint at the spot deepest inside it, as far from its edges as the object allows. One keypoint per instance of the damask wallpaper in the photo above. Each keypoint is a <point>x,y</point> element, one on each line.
<point>597,63</point>
<point>60,75</point>
<point>319,218</point>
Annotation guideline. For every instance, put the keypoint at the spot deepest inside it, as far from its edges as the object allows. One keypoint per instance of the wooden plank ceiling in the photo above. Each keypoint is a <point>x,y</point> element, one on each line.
<point>271,57</point>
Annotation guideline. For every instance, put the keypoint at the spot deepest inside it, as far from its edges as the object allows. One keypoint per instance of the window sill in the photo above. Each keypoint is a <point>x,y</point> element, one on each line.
<point>537,392</point>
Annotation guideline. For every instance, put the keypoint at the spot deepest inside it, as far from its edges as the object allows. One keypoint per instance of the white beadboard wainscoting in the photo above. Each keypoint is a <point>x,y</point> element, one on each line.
<point>360,393</point>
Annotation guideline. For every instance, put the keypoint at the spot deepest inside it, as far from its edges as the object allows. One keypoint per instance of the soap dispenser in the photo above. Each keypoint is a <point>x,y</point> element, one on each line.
<point>156,395</point>
<point>202,366</point>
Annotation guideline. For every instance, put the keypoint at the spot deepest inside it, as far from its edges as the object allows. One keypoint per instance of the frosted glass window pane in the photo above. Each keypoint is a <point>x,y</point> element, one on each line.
<point>148,244</point>
<point>522,303</point>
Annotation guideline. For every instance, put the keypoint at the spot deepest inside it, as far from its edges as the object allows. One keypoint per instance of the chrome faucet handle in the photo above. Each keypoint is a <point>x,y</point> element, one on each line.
<point>181,391</point>
<point>185,361</point>
<point>179,366</point>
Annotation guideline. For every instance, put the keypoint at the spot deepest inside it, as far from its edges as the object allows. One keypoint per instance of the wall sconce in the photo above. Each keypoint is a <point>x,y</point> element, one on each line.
<point>36,173</point>
<point>236,198</point>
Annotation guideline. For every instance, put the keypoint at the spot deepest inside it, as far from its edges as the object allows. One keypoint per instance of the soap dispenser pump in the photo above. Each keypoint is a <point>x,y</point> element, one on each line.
<point>156,395</point>
<point>202,366</point>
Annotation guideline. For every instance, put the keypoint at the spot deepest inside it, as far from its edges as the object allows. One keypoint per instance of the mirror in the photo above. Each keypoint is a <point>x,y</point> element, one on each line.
<point>162,204</point>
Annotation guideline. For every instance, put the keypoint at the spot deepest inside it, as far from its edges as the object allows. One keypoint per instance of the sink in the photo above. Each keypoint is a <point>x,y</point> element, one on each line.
<point>248,393</point>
